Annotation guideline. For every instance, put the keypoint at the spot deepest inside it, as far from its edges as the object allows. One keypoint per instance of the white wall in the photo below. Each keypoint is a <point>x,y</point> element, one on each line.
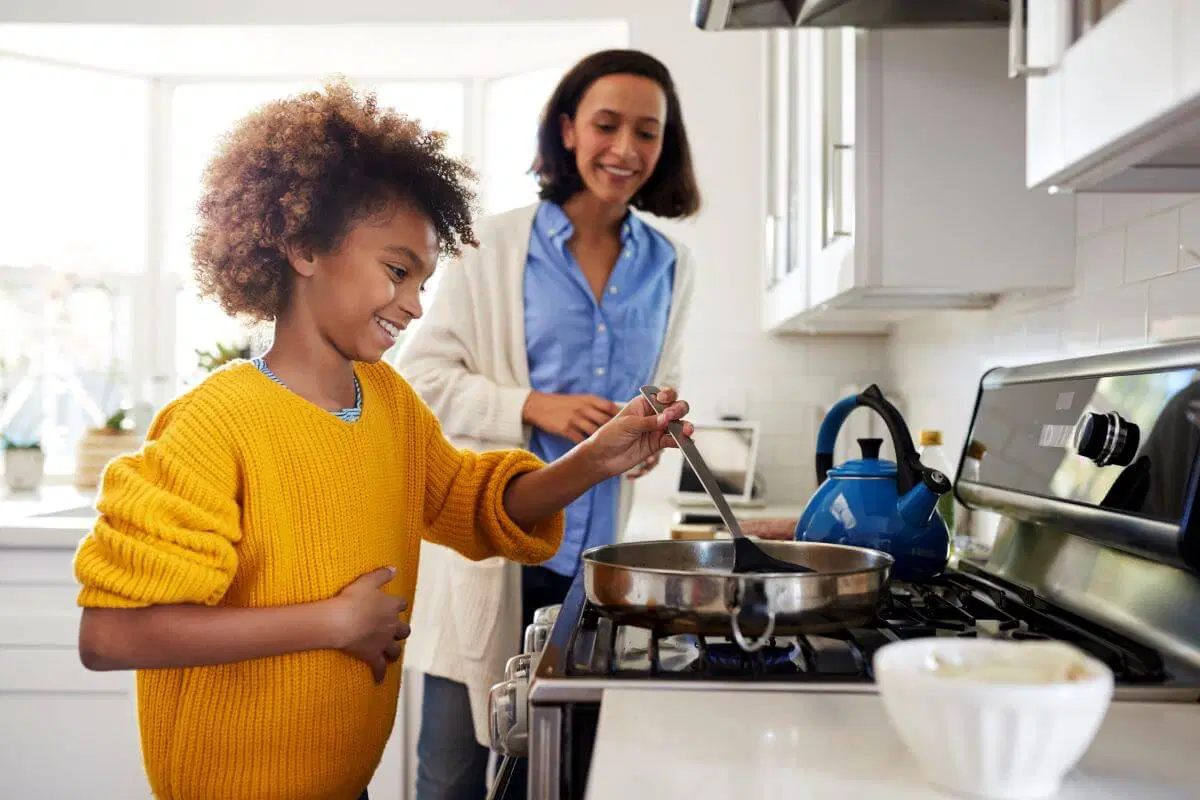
<point>720,78</point>
<point>1133,280</point>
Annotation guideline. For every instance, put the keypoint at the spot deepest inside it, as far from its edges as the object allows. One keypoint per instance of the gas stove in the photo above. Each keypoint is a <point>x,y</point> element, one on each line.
<point>586,653</point>
<point>1097,546</point>
<point>597,653</point>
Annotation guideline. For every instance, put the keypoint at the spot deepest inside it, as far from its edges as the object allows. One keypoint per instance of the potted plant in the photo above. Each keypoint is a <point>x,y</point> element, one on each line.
<point>209,360</point>
<point>101,445</point>
<point>24,464</point>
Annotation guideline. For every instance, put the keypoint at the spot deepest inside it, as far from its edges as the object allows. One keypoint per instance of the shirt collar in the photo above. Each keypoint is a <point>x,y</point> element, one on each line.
<point>558,226</point>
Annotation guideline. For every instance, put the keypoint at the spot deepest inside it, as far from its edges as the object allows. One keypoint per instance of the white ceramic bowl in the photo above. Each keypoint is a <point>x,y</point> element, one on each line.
<point>977,736</point>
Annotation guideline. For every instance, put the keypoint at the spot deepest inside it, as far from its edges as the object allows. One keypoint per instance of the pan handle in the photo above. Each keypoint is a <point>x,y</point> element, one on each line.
<point>736,609</point>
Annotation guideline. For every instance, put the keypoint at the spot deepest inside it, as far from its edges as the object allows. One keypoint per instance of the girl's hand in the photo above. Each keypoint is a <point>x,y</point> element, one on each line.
<point>645,467</point>
<point>367,621</point>
<point>636,434</point>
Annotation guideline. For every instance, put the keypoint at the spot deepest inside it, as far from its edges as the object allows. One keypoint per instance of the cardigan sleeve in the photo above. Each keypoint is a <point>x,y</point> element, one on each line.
<point>169,518</point>
<point>443,359</point>
<point>670,371</point>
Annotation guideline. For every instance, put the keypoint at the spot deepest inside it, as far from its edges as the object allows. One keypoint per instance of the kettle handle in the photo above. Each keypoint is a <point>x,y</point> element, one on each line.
<point>908,463</point>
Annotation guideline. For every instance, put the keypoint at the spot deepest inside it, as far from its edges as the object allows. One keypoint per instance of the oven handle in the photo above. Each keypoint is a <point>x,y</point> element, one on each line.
<point>500,785</point>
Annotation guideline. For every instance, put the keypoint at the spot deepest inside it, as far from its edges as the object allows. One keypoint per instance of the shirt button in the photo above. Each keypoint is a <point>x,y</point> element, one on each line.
<point>600,327</point>
<point>599,370</point>
<point>612,290</point>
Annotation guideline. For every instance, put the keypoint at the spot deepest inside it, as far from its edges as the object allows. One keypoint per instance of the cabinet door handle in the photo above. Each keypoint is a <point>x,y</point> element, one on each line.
<point>1017,38</point>
<point>770,251</point>
<point>836,153</point>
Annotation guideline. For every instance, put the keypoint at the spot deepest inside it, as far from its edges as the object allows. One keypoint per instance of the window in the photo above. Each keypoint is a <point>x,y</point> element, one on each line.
<point>512,109</point>
<point>73,145</point>
<point>74,194</point>
<point>100,171</point>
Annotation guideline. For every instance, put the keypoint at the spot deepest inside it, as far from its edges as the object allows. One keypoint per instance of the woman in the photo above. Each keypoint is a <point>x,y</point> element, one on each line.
<point>566,308</point>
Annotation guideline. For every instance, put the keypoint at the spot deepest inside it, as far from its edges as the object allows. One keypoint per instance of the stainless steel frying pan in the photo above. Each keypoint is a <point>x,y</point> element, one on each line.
<point>676,587</point>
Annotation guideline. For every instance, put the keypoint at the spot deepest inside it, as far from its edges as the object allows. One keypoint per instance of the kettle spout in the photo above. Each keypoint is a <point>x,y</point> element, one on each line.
<point>916,507</point>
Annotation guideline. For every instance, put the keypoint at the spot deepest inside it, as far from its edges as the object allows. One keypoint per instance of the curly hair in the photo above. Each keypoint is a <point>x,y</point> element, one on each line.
<point>298,173</point>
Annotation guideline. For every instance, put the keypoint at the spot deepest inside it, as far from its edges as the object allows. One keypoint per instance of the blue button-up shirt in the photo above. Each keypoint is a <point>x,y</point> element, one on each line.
<point>577,345</point>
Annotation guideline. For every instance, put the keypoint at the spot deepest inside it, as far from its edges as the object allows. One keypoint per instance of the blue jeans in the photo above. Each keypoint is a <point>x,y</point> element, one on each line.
<point>451,765</point>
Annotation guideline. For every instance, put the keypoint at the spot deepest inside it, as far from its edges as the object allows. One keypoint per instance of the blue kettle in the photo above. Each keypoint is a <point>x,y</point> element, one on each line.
<point>870,502</point>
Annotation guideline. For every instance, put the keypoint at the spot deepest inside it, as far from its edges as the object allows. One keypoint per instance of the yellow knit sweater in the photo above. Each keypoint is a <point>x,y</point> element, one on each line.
<point>245,494</point>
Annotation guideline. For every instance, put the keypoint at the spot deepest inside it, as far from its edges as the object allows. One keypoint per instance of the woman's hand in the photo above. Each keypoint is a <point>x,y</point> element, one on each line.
<point>571,416</point>
<point>772,528</point>
<point>636,434</point>
<point>368,621</point>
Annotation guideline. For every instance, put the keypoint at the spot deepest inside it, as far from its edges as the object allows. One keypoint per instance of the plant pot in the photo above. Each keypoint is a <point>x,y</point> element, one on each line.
<point>98,447</point>
<point>23,468</point>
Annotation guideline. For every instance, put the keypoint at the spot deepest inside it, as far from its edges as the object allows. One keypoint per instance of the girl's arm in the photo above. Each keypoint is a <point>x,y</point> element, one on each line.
<point>199,636</point>
<point>161,556</point>
<point>509,503</point>
<point>635,434</point>
<point>362,620</point>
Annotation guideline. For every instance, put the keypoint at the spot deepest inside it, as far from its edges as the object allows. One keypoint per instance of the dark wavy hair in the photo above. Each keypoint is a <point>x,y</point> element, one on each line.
<point>671,190</point>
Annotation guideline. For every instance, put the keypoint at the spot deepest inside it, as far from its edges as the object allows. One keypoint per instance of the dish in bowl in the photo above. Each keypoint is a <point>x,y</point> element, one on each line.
<point>996,719</point>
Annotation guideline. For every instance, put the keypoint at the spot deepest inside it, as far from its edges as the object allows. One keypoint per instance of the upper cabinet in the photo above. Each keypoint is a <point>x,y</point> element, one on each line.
<point>896,163</point>
<point>1113,90</point>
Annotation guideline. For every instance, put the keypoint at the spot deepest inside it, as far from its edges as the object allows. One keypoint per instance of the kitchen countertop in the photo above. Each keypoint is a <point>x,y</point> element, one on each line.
<point>651,519</point>
<point>52,517</point>
<point>59,516</point>
<point>771,745</point>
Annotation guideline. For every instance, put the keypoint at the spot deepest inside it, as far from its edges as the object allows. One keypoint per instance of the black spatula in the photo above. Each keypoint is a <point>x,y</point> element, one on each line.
<point>747,556</point>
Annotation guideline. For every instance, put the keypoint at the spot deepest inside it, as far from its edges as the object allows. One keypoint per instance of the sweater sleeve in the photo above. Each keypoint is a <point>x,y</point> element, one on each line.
<point>464,503</point>
<point>441,360</point>
<point>168,518</point>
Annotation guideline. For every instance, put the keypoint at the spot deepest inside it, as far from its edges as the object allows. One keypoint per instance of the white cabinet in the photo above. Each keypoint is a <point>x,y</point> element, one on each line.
<point>64,731</point>
<point>1113,90</point>
<point>895,180</point>
<point>67,732</point>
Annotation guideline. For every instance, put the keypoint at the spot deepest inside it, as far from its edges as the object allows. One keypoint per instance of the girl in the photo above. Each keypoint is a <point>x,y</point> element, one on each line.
<point>565,310</point>
<point>253,560</point>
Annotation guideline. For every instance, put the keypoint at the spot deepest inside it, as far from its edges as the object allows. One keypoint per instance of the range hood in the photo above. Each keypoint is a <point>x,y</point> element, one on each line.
<point>720,15</point>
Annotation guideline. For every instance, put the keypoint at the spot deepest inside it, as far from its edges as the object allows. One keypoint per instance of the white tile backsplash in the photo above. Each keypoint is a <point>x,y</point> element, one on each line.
<point>1135,284</point>
<point>1119,210</point>
<point>1152,246</point>
<point>1100,261</point>
<point>1189,236</point>
<point>1122,315</point>
<point>1174,297</point>
<point>1089,214</point>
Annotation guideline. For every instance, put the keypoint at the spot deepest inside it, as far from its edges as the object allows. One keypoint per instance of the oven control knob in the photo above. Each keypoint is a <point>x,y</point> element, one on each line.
<point>508,718</point>
<point>547,614</point>
<point>1107,439</point>
<point>536,635</point>
<point>519,667</point>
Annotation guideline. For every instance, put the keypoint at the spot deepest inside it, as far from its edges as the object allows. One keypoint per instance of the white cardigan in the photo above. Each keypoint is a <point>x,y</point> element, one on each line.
<point>467,359</point>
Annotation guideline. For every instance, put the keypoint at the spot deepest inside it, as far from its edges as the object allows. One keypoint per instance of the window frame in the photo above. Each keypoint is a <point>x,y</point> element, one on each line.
<point>153,291</point>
